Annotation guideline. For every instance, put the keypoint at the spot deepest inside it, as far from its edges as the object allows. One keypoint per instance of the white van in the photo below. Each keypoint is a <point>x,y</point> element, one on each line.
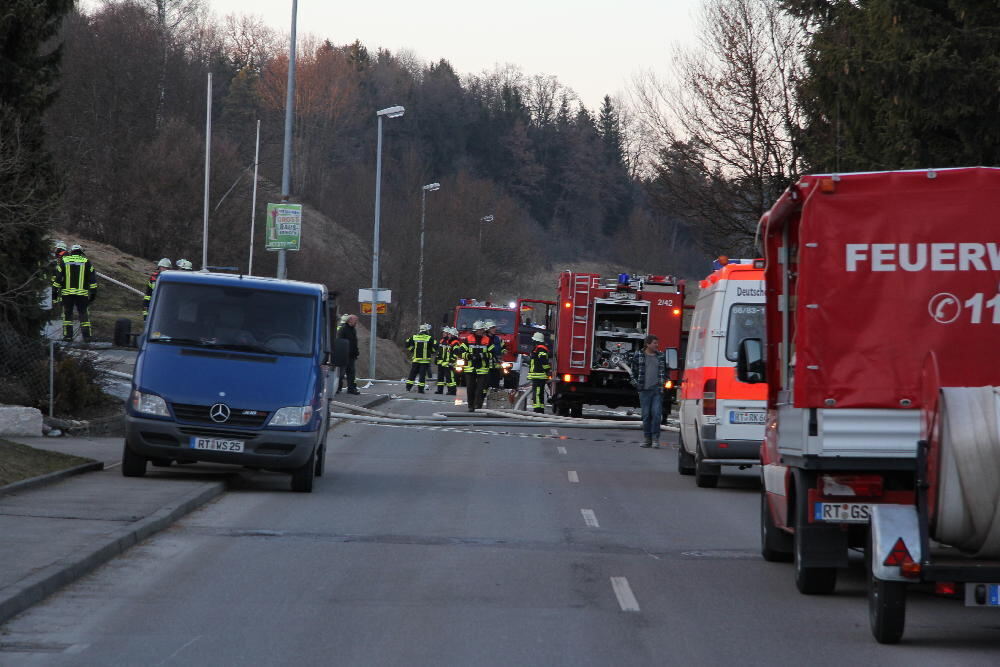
<point>722,419</point>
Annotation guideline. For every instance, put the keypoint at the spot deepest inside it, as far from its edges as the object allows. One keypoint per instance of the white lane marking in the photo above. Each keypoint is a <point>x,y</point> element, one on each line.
<point>113,465</point>
<point>590,518</point>
<point>573,477</point>
<point>174,654</point>
<point>626,599</point>
<point>561,450</point>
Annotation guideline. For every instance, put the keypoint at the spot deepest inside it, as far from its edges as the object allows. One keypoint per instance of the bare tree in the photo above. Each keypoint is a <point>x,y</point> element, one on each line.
<point>724,131</point>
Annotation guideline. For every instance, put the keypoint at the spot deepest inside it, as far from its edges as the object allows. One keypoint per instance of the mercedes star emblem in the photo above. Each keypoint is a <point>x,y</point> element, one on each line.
<point>219,412</point>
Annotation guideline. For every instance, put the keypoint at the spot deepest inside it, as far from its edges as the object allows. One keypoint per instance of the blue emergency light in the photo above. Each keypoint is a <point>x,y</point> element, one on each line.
<point>623,279</point>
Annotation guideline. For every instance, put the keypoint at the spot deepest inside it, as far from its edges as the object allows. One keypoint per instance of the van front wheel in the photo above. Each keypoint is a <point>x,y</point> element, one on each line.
<point>133,465</point>
<point>303,476</point>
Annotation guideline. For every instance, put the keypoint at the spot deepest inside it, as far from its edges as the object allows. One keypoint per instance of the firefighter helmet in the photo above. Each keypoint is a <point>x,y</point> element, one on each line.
<point>75,247</point>
<point>538,337</point>
<point>425,327</point>
<point>60,245</point>
<point>185,265</point>
<point>164,263</point>
<point>489,324</point>
<point>478,325</point>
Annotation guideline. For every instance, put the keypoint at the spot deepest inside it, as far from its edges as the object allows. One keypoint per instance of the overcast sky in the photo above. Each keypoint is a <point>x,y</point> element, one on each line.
<point>593,47</point>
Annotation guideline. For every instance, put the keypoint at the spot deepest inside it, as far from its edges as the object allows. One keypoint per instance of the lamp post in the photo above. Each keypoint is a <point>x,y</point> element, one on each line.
<point>390,112</point>
<point>430,187</point>
<point>479,255</point>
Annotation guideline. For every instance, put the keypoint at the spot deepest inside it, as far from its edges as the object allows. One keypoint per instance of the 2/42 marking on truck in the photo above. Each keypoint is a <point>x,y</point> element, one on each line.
<point>665,302</point>
<point>842,512</point>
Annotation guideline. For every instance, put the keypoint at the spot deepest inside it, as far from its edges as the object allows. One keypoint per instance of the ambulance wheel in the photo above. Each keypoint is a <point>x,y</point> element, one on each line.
<point>123,331</point>
<point>685,461</point>
<point>706,475</point>
<point>886,604</point>
<point>775,544</point>
<point>302,477</point>
<point>809,580</point>
<point>133,465</point>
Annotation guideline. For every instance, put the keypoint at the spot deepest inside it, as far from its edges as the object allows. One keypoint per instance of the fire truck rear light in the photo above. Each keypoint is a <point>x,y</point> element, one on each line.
<point>677,311</point>
<point>567,378</point>
<point>708,398</point>
<point>870,486</point>
<point>568,304</point>
<point>669,384</point>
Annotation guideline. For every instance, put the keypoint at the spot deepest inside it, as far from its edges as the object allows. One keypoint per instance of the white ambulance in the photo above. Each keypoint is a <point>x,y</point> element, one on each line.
<point>722,419</point>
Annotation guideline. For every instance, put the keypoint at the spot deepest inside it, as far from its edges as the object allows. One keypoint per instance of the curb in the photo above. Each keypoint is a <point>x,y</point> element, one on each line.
<point>42,480</point>
<point>54,577</point>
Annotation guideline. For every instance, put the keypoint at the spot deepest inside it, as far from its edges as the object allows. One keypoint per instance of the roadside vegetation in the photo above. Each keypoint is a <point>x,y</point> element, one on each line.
<point>18,462</point>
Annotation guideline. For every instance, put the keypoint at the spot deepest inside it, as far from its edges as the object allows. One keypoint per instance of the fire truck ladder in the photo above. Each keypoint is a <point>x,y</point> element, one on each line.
<point>580,330</point>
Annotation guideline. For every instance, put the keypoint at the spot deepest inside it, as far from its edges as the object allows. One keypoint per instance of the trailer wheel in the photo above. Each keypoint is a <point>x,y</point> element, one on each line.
<point>706,476</point>
<point>685,461</point>
<point>886,604</point>
<point>809,580</point>
<point>775,544</point>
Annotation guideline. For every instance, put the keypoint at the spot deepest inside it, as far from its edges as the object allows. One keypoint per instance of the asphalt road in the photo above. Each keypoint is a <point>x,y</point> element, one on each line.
<point>469,546</point>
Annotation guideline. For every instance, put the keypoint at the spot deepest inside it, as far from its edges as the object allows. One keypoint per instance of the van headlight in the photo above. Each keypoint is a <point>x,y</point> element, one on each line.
<point>149,404</point>
<point>296,416</point>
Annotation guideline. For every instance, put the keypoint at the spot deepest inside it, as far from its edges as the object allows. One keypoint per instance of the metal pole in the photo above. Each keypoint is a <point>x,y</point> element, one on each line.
<point>378,218</point>
<point>286,164</point>
<point>208,164</point>
<point>420,271</point>
<point>253,201</point>
<point>52,378</point>
<point>479,256</point>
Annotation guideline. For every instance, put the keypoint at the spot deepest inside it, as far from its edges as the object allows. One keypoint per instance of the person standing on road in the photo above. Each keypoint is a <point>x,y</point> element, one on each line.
<point>445,376</point>
<point>419,347</point>
<point>162,265</point>
<point>77,282</point>
<point>479,360</point>
<point>459,355</point>
<point>649,366</point>
<point>539,368</point>
<point>59,251</point>
<point>349,333</point>
<point>496,341</point>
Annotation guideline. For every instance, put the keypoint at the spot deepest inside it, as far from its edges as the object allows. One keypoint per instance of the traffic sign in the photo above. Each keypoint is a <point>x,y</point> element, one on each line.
<point>284,227</point>
<point>365,294</point>
<point>366,308</point>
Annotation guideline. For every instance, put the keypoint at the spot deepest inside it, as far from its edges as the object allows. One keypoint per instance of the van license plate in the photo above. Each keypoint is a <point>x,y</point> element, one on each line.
<point>737,417</point>
<point>842,512</point>
<point>217,444</point>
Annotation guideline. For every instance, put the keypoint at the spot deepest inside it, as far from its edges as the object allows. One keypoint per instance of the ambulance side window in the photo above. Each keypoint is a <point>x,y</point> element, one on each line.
<point>746,320</point>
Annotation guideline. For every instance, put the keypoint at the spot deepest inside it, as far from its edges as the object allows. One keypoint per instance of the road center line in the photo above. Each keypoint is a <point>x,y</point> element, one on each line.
<point>590,518</point>
<point>573,477</point>
<point>626,599</point>
<point>561,450</point>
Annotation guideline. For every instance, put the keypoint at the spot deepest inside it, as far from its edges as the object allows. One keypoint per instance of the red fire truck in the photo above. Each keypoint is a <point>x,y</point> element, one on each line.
<point>515,326</point>
<point>601,322</point>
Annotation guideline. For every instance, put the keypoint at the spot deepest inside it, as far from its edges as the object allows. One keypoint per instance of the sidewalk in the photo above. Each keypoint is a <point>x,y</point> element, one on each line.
<point>55,534</point>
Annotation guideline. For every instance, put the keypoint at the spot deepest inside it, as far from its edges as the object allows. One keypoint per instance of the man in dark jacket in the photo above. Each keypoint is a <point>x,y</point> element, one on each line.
<point>350,334</point>
<point>649,369</point>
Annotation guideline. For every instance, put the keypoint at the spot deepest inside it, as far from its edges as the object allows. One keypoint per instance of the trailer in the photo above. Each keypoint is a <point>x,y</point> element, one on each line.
<point>600,323</point>
<point>865,275</point>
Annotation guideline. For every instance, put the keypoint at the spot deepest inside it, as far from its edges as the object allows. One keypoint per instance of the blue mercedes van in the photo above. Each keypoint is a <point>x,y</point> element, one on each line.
<point>232,369</point>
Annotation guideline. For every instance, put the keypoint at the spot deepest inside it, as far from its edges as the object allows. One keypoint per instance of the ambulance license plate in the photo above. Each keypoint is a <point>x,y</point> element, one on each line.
<point>738,417</point>
<point>842,512</point>
<point>217,444</point>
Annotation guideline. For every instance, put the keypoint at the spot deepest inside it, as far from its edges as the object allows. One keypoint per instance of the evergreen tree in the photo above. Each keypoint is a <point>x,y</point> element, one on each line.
<point>897,84</point>
<point>610,128</point>
<point>28,192</point>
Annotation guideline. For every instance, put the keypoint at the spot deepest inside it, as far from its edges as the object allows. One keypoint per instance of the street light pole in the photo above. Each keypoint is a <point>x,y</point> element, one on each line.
<point>430,187</point>
<point>391,112</point>
<point>286,161</point>
<point>479,254</point>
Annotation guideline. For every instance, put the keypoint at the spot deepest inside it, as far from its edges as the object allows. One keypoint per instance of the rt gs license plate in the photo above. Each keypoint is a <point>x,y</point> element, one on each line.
<point>740,417</point>
<point>842,512</point>
<point>217,444</point>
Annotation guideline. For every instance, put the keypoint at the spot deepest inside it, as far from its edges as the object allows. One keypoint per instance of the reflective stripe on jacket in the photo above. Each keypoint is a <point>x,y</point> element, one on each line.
<point>539,365</point>
<point>419,347</point>
<point>75,276</point>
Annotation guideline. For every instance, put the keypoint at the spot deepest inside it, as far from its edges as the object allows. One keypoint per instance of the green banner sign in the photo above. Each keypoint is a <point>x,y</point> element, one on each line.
<point>284,226</point>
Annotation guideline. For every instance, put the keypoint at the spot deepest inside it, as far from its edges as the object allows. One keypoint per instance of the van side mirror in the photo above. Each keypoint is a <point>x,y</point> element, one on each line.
<point>750,361</point>
<point>673,359</point>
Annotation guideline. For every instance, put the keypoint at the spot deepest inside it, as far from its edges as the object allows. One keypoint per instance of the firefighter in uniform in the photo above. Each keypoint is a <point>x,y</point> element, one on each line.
<point>446,376</point>
<point>77,283</point>
<point>539,367</point>
<point>459,352</point>
<point>419,347</point>
<point>58,252</point>
<point>496,341</point>
<point>151,285</point>
<point>479,361</point>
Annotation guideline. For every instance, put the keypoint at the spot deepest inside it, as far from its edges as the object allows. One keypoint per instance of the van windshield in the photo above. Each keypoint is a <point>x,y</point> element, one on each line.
<point>746,320</point>
<point>236,318</point>
<point>468,316</point>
